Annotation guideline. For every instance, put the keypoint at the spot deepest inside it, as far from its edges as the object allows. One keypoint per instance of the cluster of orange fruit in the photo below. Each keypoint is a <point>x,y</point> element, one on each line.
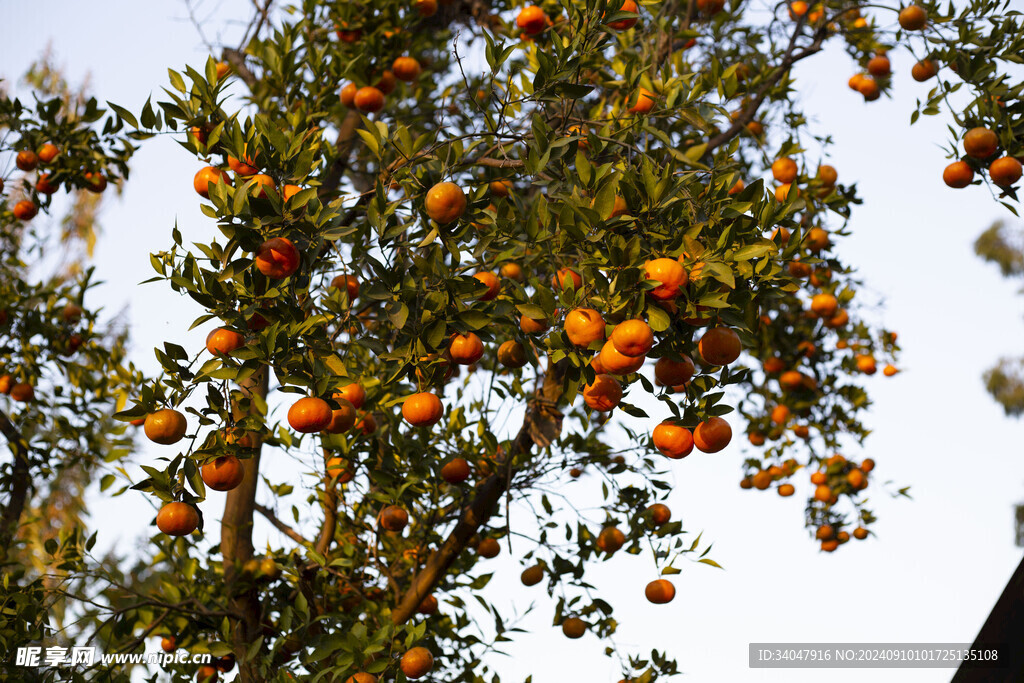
<point>911,18</point>
<point>980,145</point>
<point>28,160</point>
<point>24,392</point>
<point>786,172</point>
<point>370,99</point>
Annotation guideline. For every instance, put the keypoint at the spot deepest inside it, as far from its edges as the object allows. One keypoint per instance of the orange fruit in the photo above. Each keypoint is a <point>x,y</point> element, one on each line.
<point>366,423</point>
<point>512,354</point>
<point>867,465</point>
<point>223,341</point>
<point>889,370</point>
<point>567,278</point>
<point>353,393</point>
<point>418,661</point>
<point>797,9</point>
<point>980,143</point>
<point>406,69</point>
<point>488,548</point>
<point>913,18</point>
<point>868,87</point>
<point>533,325</point>
<point>1004,171</point>
<point>393,518</point>
<point>500,188</point>
<point>263,183</point>
<point>48,152</point>
<point>532,20</point>
<point>466,349</point>
<point>44,185</point>
<point>782,192</point>
<point>428,605</point>
<point>387,82</point>
<point>780,415</point>
<point>784,170</point>
<point>243,168</point>
<point>839,319</point>
<point>632,338</point>
<point>958,174</point>
<point>773,365</point>
<point>574,627</point>
<point>670,276</point>
<point>856,479</point>
<point>822,493</point>
<point>659,513</point>
<point>817,239</point>
<point>719,346</point>
<point>866,363</point>
<point>660,591</point>
<point>26,160</point>
<point>756,438</point>
<point>610,540</point>
<point>23,392</point>
<point>673,373</point>
<point>493,285</point>
<point>426,8</point>
<point>603,394</point>
<point>166,426</point>
<point>827,175</point>
<point>339,468</point>
<point>672,440</point>
<point>369,99</point>
<point>422,409</point>
<point>712,435</point>
<point>786,490</point>
<point>455,471</point>
<point>277,258</point>
<point>348,95</point>
<point>512,270</point>
<point>343,418</point>
<point>223,473</point>
<point>531,576</point>
<point>643,101</point>
<point>445,202</point>
<point>924,70</point>
<point>761,480</point>
<point>310,414</point>
<point>624,24</point>
<point>223,69</point>
<point>879,65</point>
<point>168,643</point>
<point>615,363</point>
<point>361,677</point>
<point>205,176</point>
<point>177,519</point>
<point>349,282</point>
<point>860,533</point>
<point>584,326</point>
<point>710,7</point>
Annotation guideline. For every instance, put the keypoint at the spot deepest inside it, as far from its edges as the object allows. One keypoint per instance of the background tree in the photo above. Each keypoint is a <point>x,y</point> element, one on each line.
<point>588,182</point>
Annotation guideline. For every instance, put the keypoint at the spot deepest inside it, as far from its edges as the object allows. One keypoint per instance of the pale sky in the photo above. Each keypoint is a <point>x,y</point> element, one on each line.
<point>938,562</point>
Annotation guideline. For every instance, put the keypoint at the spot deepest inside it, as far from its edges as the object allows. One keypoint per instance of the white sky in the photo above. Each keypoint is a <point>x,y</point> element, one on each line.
<point>939,562</point>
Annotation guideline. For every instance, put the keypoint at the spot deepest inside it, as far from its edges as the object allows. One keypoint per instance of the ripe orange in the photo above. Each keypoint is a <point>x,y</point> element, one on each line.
<point>348,95</point>
<point>369,99</point>
<point>428,605</point>
<point>406,69</point>
<point>26,160</point>
<point>672,440</point>
<point>263,183</point>
<point>361,677</point>
<point>784,170</point>
<point>512,270</point>
<point>827,175</point>
<point>860,533</point>
<point>223,473</point>
<point>418,661</point>
<point>23,392</point>
<point>349,282</point>
<point>367,423</point>
<point>48,152</point>
<point>567,278</point>
<point>445,202</point>
<point>25,210</point>
<point>624,24</point>
<point>980,143</point>
<point>531,576</point>
<point>824,305</point>
<point>780,414</point>
<point>616,363</point>
<point>466,349</point>
<point>712,435</point>
<point>343,418</point>
<point>643,101</point>
<point>603,394</point>
<point>913,18</point>
<point>393,518</point>
<point>532,20</point>
<point>756,438</point>
<point>584,326</point>
<point>166,426</point>
<point>958,174</point>
<point>659,513</point>
<point>426,8</point>
<point>353,393</point>
<point>823,493</point>
<point>670,276</point>
<point>856,479</point>
<point>839,319</point>
<point>660,591</point>
<point>339,468</point>
<point>223,69</point>
<point>817,239</point>
<point>786,490</point>
<point>868,87</point>
<point>924,70</point>
<point>492,283</point>
<point>797,9</point>
<point>867,465</point>
<point>879,65</point>
<point>1005,171</point>
<point>205,176</point>
<point>719,346</point>
<point>223,341</point>
<point>168,643</point>
<point>422,409</point>
<point>488,548</point>
<point>829,546</point>
<point>889,370</point>
<point>574,627</point>
<point>710,7</point>
<point>610,540</point>
<point>277,258</point>
<point>44,184</point>
<point>310,414</point>
<point>243,168</point>
<point>761,480</point>
<point>500,188</point>
<point>632,338</point>
<point>387,82</point>
<point>533,325</point>
<point>177,519</point>
<point>866,363</point>
<point>512,354</point>
<point>673,373</point>
<point>455,471</point>
<point>773,365</point>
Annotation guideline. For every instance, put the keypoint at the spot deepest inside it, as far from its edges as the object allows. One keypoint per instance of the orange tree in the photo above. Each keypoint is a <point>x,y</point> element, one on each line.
<point>450,246</point>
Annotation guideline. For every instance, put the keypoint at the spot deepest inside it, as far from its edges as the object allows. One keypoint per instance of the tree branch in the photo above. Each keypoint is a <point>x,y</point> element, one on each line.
<point>279,525</point>
<point>330,525</point>
<point>540,426</point>
<point>20,483</point>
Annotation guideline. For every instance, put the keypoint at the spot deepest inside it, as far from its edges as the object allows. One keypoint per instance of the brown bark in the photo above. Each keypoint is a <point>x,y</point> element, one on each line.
<point>236,543</point>
<point>541,426</point>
